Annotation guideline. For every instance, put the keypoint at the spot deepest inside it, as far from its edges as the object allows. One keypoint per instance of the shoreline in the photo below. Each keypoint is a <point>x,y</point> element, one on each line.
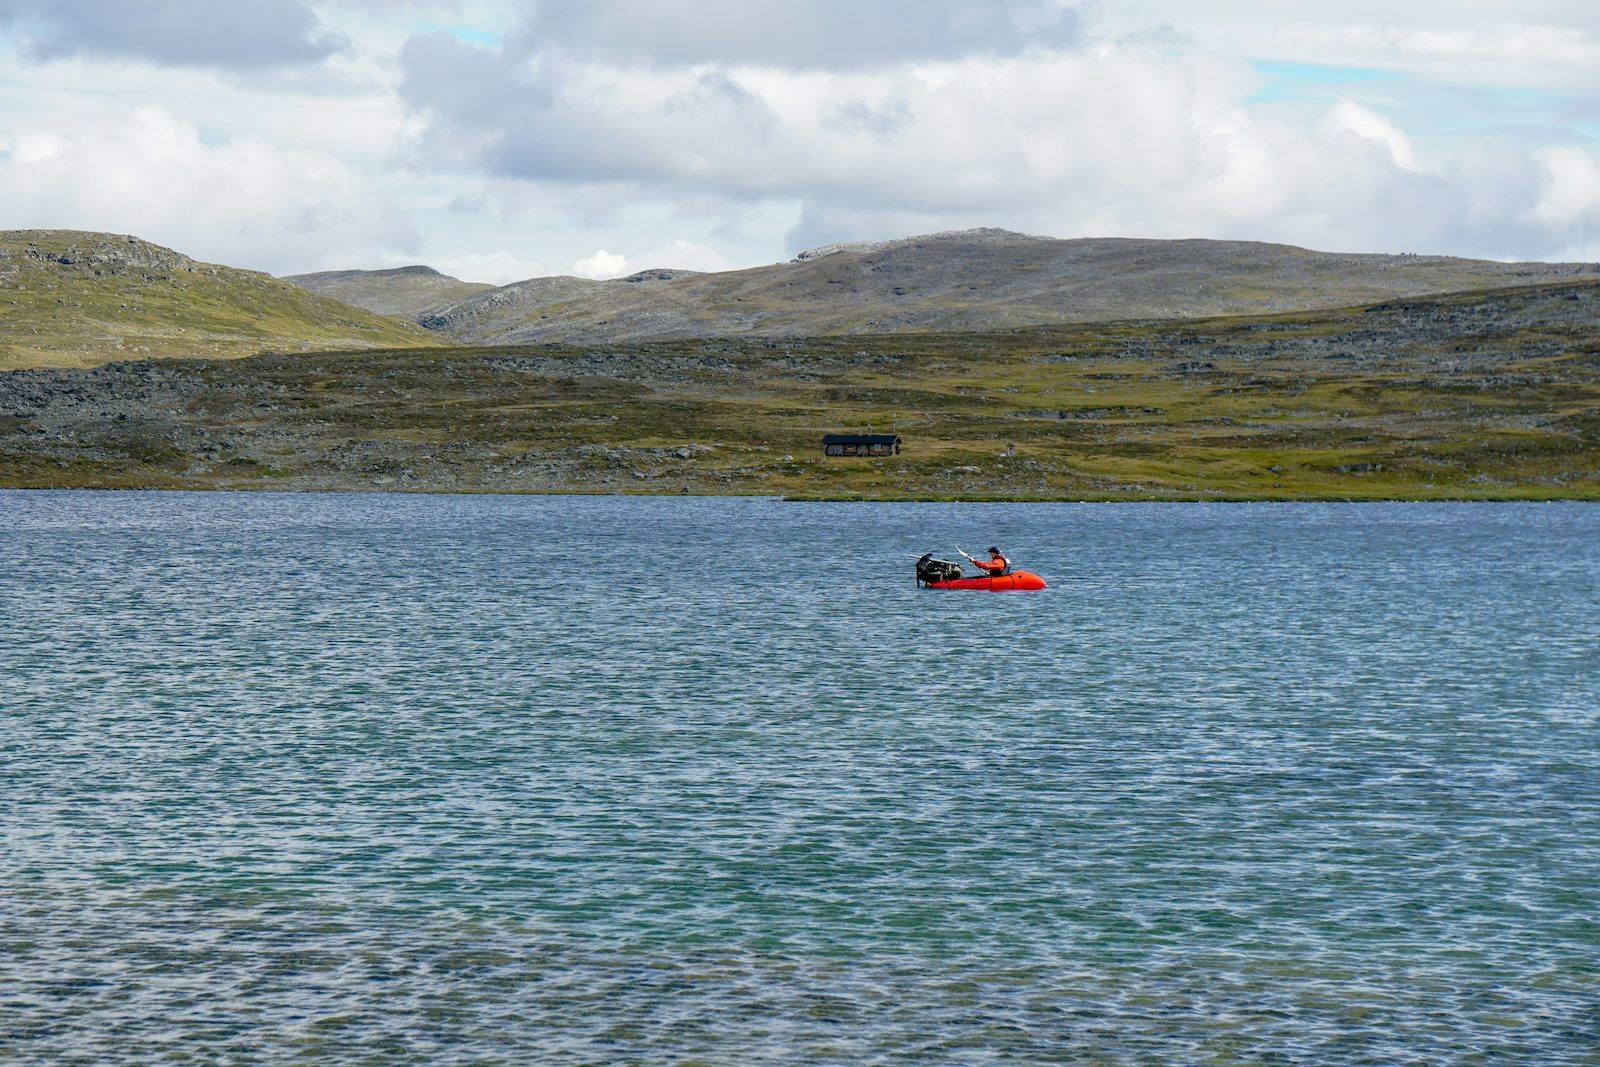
<point>1531,496</point>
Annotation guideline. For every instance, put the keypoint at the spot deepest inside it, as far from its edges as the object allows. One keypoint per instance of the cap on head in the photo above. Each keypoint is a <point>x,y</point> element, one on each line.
<point>993,551</point>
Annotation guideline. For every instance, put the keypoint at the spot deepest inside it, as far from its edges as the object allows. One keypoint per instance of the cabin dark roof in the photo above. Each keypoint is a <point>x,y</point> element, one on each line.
<point>859,438</point>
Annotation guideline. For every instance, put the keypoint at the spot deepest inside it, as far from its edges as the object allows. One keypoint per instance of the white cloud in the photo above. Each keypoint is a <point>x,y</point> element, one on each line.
<point>602,264</point>
<point>498,139</point>
<point>685,255</point>
<point>1549,44</point>
<point>680,254</point>
<point>1349,117</point>
<point>1550,57</point>
<point>1571,197</point>
<point>1124,139</point>
<point>34,148</point>
<point>496,267</point>
<point>246,202</point>
<point>501,266</point>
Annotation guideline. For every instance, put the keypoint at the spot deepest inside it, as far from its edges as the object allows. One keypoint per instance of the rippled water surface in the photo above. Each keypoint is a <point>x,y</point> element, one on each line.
<point>541,779</point>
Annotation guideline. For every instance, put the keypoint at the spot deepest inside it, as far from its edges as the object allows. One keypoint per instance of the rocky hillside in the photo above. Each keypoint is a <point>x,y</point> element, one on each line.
<point>70,298</point>
<point>1475,395</point>
<point>406,292</point>
<point>967,280</point>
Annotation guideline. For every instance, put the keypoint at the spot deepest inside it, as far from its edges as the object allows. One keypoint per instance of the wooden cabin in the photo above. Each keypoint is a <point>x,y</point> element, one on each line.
<point>874,445</point>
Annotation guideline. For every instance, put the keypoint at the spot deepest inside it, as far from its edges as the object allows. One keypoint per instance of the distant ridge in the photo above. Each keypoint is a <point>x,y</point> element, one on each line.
<point>407,292</point>
<point>79,298</point>
<point>980,233</point>
<point>956,280</point>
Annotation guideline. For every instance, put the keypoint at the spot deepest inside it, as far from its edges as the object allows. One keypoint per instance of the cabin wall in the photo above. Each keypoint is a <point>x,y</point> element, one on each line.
<point>870,451</point>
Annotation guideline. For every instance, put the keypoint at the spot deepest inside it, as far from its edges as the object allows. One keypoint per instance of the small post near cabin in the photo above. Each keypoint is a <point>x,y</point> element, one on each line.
<point>874,445</point>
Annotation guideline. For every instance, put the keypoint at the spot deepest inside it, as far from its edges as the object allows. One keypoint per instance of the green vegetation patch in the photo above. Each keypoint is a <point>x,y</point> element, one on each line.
<point>1432,399</point>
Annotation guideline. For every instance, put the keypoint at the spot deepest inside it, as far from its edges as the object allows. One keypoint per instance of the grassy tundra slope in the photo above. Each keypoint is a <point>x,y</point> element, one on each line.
<point>406,292</point>
<point>1486,395</point>
<point>70,298</point>
<point>967,280</point>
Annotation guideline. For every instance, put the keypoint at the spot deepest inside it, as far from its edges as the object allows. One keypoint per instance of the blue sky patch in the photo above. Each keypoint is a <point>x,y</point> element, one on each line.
<point>1289,80</point>
<point>478,35</point>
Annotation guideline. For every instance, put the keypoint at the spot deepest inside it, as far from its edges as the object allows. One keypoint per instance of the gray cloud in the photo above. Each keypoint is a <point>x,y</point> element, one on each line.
<point>528,120</point>
<point>198,33</point>
<point>813,34</point>
<point>1124,139</point>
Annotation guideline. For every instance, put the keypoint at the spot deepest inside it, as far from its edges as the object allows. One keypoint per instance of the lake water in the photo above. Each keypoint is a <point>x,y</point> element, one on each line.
<point>535,779</point>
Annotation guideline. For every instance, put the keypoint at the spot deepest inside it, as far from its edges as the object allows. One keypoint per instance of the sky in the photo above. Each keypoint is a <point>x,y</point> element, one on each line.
<point>504,139</point>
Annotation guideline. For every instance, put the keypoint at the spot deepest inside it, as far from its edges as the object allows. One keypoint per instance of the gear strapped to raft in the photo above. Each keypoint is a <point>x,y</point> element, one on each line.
<point>930,570</point>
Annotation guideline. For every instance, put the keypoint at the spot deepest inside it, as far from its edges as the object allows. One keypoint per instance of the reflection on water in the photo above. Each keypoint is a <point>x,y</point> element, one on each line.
<point>302,777</point>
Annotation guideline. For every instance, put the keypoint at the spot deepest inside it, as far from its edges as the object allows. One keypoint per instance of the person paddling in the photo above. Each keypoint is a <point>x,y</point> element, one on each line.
<point>995,565</point>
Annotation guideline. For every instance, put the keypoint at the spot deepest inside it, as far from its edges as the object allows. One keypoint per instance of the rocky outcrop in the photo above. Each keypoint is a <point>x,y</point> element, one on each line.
<point>96,253</point>
<point>72,298</point>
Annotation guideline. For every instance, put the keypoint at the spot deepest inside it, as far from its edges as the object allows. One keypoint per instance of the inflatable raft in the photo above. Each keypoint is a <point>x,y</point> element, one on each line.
<point>1015,582</point>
